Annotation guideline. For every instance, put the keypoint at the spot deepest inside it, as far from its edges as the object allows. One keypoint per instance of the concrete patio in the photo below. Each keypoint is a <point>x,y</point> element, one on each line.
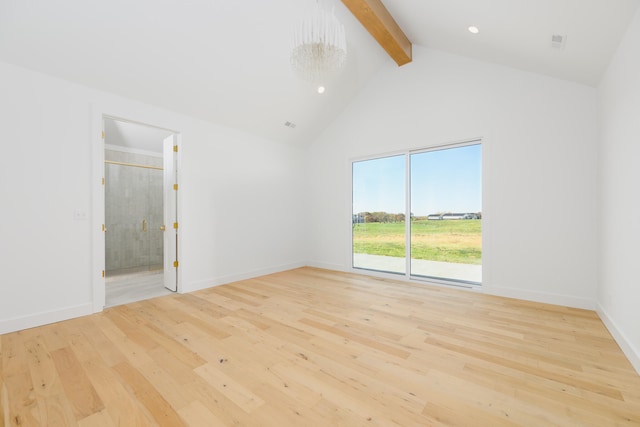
<point>419,267</point>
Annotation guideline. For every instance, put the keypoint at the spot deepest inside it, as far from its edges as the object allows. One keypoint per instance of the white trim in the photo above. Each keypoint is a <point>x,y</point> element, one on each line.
<point>97,209</point>
<point>120,148</point>
<point>327,266</point>
<point>448,145</point>
<point>121,118</point>
<point>555,299</point>
<point>632,353</point>
<point>179,212</point>
<point>223,280</point>
<point>462,142</point>
<point>348,266</point>
<point>44,318</point>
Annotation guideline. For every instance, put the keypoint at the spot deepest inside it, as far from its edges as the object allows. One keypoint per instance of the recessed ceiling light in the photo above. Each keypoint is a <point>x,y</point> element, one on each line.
<point>473,29</point>
<point>321,89</point>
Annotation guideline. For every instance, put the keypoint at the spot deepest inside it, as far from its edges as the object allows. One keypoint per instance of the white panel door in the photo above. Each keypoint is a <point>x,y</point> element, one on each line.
<point>170,214</point>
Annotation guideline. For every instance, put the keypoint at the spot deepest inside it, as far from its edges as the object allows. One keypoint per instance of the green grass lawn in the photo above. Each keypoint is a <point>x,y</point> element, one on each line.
<point>457,241</point>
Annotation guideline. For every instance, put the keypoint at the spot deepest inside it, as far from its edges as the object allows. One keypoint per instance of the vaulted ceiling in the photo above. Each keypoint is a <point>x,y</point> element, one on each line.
<point>228,62</point>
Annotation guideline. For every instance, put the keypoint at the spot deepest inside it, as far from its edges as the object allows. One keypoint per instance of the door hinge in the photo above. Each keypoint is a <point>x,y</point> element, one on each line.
<point>102,273</point>
<point>175,225</point>
<point>175,148</point>
<point>102,180</point>
<point>102,134</point>
<point>104,228</point>
<point>175,187</point>
<point>175,264</point>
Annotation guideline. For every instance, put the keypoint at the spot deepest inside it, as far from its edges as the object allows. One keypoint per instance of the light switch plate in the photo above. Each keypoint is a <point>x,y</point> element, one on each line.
<point>80,215</point>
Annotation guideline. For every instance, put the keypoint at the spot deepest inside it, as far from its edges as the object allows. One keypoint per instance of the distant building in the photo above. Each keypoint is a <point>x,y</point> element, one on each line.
<point>454,216</point>
<point>450,215</point>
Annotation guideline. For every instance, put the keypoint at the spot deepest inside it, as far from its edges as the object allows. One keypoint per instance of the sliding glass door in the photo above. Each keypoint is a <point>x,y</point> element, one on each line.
<point>442,203</point>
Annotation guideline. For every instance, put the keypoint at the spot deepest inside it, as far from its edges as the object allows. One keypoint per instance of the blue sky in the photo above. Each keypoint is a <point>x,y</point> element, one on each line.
<point>441,181</point>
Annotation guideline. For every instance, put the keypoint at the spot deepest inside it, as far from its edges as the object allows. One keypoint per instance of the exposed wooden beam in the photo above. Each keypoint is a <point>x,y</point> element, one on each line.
<point>378,21</point>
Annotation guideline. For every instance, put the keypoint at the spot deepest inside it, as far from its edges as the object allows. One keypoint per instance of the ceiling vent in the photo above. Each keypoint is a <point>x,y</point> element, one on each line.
<point>557,41</point>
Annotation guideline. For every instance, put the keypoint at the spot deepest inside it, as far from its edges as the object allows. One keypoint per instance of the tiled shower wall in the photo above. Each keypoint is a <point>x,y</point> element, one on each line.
<point>133,194</point>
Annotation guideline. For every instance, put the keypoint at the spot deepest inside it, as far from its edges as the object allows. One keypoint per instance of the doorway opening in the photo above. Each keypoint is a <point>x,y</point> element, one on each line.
<point>140,191</point>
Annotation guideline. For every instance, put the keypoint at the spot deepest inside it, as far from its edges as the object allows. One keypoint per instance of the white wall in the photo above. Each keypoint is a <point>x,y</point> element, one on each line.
<point>540,147</point>
<point>243,206</point>
<point>240,198</point>
<point>619,103</point>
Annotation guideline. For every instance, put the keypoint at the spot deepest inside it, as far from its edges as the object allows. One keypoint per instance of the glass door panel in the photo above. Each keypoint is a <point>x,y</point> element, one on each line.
<point>446,213</point>
<point>378,219</point>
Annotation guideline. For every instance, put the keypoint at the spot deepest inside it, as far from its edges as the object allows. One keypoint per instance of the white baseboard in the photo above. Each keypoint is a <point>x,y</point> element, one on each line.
<point>222,280</point>
<point>632,353</point>
<point>39,319</point>
<point>555,299</point>
<point>327,266</point>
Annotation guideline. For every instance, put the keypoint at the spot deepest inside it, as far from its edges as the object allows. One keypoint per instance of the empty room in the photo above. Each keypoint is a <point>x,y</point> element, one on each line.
<point>319,213</point>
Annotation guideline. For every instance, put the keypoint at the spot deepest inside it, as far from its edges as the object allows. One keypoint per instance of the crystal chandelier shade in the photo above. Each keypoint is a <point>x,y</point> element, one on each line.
<point>319,47</point>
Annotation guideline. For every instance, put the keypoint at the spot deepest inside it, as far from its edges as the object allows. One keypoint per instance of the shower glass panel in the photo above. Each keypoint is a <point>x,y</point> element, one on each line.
<point>133,214</point>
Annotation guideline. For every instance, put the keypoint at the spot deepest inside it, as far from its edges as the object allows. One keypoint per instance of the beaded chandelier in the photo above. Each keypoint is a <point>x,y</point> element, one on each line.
<point>319,47</point>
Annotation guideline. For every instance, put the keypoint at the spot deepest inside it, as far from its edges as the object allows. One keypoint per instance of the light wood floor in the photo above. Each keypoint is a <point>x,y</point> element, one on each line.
<point>311,347</point>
